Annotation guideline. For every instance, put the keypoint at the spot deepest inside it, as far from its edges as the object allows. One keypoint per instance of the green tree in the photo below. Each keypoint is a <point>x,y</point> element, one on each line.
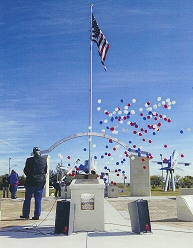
<point>155,181</point>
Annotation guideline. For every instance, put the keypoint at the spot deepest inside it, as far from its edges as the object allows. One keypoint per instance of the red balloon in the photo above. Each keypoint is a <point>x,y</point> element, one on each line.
<point>143,160</point>
<point>144,167</point>
<point>144,139</point>
<point>182,155</point>
<point>148,103</point>
<point>111,141</point>
<point>68,157</point>
<point>165,146</point>
<point>150,141</point>
<point>114,148</point>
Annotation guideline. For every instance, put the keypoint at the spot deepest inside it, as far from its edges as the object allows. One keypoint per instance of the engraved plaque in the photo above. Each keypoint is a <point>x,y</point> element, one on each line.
<point>87,201</point>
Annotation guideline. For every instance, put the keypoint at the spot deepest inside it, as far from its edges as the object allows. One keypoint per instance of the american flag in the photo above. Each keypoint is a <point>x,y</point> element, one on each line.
<point>99,38</point>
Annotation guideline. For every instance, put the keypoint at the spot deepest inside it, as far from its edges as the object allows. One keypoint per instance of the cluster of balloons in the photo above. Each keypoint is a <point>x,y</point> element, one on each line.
<point>152,116</point>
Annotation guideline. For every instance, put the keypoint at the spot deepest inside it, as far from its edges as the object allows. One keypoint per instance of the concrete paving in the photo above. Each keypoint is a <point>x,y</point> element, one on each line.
<point>28,233</point>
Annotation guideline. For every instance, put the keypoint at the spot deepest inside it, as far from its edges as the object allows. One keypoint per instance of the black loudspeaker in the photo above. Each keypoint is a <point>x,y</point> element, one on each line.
<point>64,221</point>
<point>139,215</point>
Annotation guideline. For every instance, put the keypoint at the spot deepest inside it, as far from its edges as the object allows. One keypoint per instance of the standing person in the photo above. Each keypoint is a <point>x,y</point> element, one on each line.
<point>35,171</point>
<point>6,186</point>
<point>57,189</point>
<point>14,181</point>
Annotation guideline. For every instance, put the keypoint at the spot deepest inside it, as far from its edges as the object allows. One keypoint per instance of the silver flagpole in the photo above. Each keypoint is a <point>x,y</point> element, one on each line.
<point>90,127</point>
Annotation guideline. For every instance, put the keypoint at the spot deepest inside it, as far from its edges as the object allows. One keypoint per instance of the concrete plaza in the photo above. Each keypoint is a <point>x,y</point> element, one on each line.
<point>167,231</point>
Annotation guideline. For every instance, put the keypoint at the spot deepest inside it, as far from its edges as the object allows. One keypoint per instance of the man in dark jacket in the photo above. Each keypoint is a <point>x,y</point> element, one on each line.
<point>35,171</point>
<point>6,186</point>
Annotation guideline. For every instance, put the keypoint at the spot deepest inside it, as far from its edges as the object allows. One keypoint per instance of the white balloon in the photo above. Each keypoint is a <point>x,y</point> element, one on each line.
<point>173,102</point>
<point>103,131</point>
<point>126,107</point>
<point>99,108</point>
<point>126,112</point>
<point>168,100</point>
<point>134,101</point>
<point>110,114</point>
<point>119,112</point>
<point>105,121</point>
<point>94,146</point>
<point>159,98</point>
<point>132,157</point>
<point>132,112</point>
<point>121,122</point>
<point>89,127</point>
<point>141,109</point>
<point>99,100</point>
<point>155,106</point>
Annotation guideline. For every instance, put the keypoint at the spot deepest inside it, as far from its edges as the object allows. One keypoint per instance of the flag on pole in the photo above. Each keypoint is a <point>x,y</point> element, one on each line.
<point>99,38</point>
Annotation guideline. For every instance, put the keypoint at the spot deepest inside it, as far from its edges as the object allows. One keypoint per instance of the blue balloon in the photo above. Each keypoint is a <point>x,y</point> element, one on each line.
<point>84,149</point>
<point>181,131</point>
<point>105,167</point>
<point>117,163</point>
<point>95,157</point>
<point>122,100</point>
<point>100,122</point>
<point>102,156</point>
<point>144,118</point>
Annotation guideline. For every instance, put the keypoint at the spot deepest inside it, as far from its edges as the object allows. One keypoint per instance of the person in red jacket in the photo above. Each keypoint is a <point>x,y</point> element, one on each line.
<point>35,171</point>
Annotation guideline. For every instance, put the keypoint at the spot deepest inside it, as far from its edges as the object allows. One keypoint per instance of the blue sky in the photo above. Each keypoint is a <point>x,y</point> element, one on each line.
<point>45,79</point>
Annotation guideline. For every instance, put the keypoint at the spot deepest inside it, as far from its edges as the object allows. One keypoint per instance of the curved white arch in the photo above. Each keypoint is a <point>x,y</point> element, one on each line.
<point>90,134</point>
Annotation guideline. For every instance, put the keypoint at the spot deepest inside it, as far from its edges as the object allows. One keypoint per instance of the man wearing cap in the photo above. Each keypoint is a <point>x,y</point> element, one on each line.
<point>35,171</point>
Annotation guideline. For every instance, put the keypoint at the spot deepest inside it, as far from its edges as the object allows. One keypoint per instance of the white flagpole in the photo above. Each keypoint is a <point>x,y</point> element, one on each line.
<point>90,127</point>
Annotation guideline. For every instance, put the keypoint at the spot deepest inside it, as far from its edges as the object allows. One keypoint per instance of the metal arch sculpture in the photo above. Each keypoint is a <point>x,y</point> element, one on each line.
<point>90,134</point>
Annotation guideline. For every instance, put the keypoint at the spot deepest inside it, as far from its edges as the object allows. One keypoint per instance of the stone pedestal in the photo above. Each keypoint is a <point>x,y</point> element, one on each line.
<point>112,191</point>
<point>139,176</point>
<point>88,195</point>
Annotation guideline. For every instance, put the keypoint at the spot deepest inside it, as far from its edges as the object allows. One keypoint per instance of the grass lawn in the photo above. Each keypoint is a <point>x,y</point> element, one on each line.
<point>122,191</point>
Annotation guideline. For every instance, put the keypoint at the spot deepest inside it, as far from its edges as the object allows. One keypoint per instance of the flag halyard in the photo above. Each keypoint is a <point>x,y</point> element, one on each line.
<point>99,38</point>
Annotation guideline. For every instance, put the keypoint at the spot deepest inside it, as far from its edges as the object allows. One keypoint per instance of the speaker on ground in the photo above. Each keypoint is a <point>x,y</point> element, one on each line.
<point>139,215</point>
<point>65,212</point>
